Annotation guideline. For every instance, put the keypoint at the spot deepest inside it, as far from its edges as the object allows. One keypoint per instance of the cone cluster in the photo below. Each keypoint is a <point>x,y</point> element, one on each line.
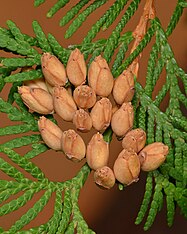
<point>82,97</point>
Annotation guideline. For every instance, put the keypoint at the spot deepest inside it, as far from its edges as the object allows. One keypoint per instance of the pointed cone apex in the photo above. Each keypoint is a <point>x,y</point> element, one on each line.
<point>36,99</point>
<point>104,177</point>
<point>123,90</point>
<point>50,132</point>
<point>84,96</point>
<point>127,167</point>
<point>82,120</point>
<point>122,119</point>
<point>64,104</point>
<point>76,68</point>
<point>101,114</point>
<point>134,139</point>
<point>38,83</point>
<point>100,77</point>
<point>153,155</point>
<point>73,145</point>
<point>53,70</point>
<point>97,154</point>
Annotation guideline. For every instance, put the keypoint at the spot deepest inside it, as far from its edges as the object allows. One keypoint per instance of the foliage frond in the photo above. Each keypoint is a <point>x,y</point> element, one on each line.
<point>24,163</point>
<point>58,50</point>
<point>53,223</point>
<point>23,76</point>
<point>135,53</point>
<point>60,4</point>
<point>121,52</point>
<point>10,170</point>
<point>113,39</point>
<point>73,12</point>
<point>31,213</point>
<point>41,38</point>
<point>17,203</point>
<point>21,141</point>
<point>38,2</point>
<point>125,18</point>
<point>175,16</point>
<point>37,149</point>
<point>67,210</point>
<point>82,17</point>
<point>146,199</point>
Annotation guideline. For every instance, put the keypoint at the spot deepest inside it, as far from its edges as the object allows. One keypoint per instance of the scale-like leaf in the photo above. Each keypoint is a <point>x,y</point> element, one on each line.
<point>23,76</point>
<point>17,203</point>
<point>16,129</point>
<point>42,40</point>
<point>37,149</point>
<point>146,199</point>
<point>58,209</point>
<point>24,163</point>
<point>74,10</point>
<point>82,17</point>
<point>67,210</point>
<point>22,141</point>
<point>38,2</point>
<point>113,39</point>
<point>31,213</point>
<point>10,170</point>
<point>58,50</point>
<point>60,4</point>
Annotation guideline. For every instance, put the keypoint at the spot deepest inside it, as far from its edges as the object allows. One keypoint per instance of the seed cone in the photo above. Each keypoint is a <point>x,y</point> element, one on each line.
<point>127,167</point>
<point>38,83</point>
<point>73,145</point>
<point>97,152</point>
<point>101,114</point>
<point>134,139</point>
<point>50,132</point>
<point>123,90</point>
<point>82,120</point>
<point>153,155</point>
<point>84,96</point>
<point>100,77</point>
<point>114,109</point>
<point>53,70</point>
<point>122,119</point>
<point>76,68</point>
<point>36,99</point>
<point>104,177</point>
<point>69,89</point>
<point>64,104</point>
<point>50,88</point>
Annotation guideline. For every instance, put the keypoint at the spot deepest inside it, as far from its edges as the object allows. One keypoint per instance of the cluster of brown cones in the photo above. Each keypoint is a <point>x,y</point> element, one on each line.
<point>87,103</point>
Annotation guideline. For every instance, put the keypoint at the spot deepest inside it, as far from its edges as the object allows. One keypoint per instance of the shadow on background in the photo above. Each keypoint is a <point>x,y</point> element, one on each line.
<point>105,211</point>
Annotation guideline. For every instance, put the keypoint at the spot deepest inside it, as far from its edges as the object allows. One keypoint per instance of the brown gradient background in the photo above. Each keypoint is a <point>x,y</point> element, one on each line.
<point>111,211</point>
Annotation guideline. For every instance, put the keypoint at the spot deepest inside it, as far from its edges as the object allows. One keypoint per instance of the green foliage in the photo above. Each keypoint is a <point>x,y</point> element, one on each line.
<point>56,7</point>
<point>73,12</point>
<point>82,17</point>
<point>167,184</point>
<point>127,15</point>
